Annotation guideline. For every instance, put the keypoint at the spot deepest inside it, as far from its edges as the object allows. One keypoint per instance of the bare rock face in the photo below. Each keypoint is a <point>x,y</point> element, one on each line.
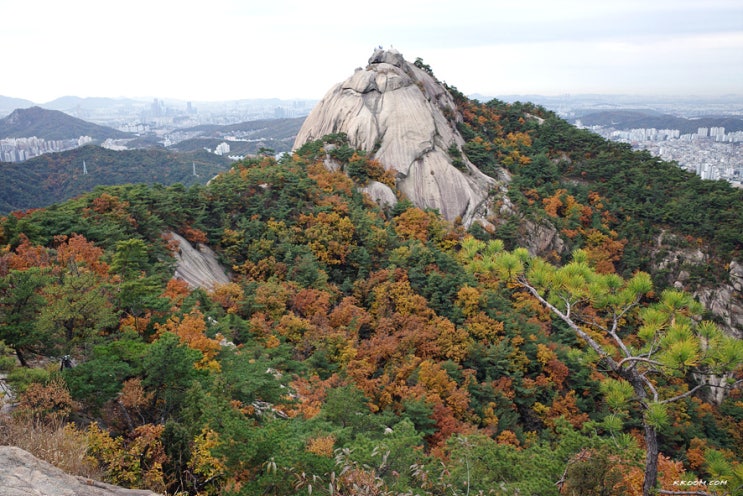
<point>404,118</point>
<point>541,239</point>
<point>198,266</point>
<point>724,300</point>
<point>22,474</point>
<point>380,193</point>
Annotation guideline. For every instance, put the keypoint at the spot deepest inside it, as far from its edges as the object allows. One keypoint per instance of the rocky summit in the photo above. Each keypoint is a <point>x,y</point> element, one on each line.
<point>402,116</point>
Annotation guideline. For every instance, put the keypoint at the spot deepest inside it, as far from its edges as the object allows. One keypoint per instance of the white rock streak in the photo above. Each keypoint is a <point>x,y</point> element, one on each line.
<point>198,266</point>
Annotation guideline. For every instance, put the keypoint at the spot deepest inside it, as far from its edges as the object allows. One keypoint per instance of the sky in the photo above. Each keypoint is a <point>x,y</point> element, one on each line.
<point>298,49</point>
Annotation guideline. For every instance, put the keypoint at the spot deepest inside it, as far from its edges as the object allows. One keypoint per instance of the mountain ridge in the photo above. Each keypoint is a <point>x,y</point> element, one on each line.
<point>8,104</point>
<point>53,125</point>
<point>54,177</point>
<point>631,119</point>
<point>249,136</point>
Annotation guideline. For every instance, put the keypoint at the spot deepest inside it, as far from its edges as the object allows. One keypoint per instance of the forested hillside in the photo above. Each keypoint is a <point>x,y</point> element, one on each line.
<point>601,195</point>
<point>383,352</point>
<point>55,177</point>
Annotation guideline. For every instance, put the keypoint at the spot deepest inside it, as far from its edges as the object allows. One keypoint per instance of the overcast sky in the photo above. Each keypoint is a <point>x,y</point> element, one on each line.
<point>231,49</point>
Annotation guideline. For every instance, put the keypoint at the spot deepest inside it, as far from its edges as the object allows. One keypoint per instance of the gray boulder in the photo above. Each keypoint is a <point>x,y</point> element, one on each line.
<point>22,474</point>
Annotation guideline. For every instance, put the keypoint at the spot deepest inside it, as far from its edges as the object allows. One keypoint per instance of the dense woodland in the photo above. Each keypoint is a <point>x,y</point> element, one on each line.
<point>54,177</point>
<point>361,351</point>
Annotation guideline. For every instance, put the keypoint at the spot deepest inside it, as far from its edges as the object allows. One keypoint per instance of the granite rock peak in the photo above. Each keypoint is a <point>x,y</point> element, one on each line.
<point>401,115</point>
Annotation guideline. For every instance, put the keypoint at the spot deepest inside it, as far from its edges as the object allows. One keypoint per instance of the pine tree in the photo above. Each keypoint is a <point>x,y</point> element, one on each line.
<point>648,345</point>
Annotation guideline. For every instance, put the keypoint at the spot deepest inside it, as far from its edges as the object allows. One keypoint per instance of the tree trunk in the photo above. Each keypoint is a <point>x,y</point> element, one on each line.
<point>20,356</point>
<point>651,459</point>
<point>651,435</point>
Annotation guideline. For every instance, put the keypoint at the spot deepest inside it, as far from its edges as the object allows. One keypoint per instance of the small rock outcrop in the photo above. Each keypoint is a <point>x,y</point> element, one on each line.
<point>380,193</point>
<point>679,260</point>
<point>405,118</point>
<point>726,300</point>
<point>23,474</point>
<point>542,239</point>
<point>198,265</point>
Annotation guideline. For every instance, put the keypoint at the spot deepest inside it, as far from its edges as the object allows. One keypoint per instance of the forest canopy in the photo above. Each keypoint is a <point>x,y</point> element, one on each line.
<point>361,350</point>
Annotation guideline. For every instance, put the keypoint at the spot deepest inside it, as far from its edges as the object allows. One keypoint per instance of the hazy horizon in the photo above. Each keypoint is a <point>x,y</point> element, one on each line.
<point>290,49</point>
<point>639,98</point>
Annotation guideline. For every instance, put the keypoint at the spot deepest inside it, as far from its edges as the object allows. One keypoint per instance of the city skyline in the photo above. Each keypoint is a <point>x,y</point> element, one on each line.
<point>226,50</point>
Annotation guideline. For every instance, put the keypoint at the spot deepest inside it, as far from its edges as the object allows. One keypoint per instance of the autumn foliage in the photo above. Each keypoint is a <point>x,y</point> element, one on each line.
<point>356,349</point>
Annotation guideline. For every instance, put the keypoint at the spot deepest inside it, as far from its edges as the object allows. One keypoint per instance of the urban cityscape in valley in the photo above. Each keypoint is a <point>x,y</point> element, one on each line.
<point>711,153</point>
<point>163,122</point>
<point>21,149</point>
<point>714,152</point>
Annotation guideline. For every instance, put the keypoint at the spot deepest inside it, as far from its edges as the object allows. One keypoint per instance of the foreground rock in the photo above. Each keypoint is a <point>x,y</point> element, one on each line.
<point>22,474</point>
<point>404,118</point>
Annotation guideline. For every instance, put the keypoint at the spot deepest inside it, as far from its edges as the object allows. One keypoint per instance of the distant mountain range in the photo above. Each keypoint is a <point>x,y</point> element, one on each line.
<point>53,125</point>
<point>103,109</point>
<point>249,137</point>
<point>8,103</point>
<point>633,119</point>
<point>66,103</point>
<point>54,177</point>
<point>70,102</point>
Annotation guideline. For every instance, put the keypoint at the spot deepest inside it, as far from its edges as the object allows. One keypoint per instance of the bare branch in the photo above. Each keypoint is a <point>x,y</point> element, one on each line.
<point>650,386</point>
<point>652,348</point>
<point>638,359</point>
<point>597,325</point>
<point>615,325</point>
<point>567,308</point>
<point>571,323</point>
<point>684,395</point>
<point>613,331</point>
<point>619,342</point>
<point>626,309</point>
